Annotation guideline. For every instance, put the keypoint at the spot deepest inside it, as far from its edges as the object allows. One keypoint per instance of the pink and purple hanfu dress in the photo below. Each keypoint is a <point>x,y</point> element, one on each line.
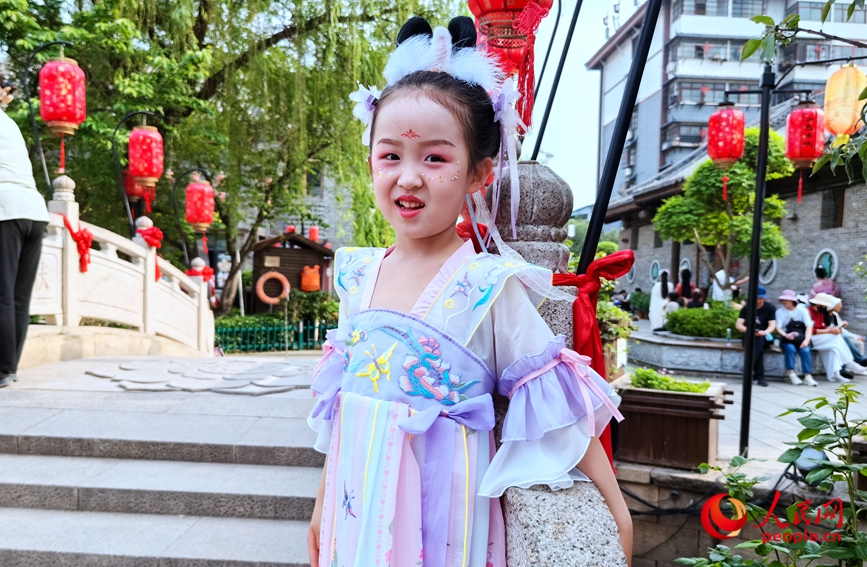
<point>405,414</point>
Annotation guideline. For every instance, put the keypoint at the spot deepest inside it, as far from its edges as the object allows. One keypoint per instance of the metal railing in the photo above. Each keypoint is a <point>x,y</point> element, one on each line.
<point>270,336</point>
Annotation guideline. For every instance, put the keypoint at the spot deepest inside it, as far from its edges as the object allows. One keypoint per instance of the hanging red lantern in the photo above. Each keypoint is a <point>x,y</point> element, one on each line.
<point>200,208</point>
<point>145,155</point>
<point>805,138</point>
<point>510,27</point>
<point>62,99</point>
<point>313,233</point>
<point>134,191</point>
<point>725,139</point>
<point>62,96</point>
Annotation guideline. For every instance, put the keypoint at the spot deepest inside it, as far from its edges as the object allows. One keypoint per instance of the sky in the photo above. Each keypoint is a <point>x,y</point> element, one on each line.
<point>573,127</point>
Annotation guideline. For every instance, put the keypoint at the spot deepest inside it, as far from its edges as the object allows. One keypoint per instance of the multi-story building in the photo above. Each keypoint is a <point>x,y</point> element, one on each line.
<point>694,58</point>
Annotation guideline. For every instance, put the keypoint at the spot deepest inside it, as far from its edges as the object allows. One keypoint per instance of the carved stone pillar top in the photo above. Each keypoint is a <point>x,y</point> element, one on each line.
<point>64,189</point>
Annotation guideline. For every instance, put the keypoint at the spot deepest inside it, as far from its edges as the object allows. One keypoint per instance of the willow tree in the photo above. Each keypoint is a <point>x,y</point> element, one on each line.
<point>253,90</point>
<point>725,226</point>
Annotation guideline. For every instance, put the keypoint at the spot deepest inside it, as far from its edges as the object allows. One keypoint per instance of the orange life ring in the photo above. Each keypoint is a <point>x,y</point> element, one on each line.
<point>260,287</point>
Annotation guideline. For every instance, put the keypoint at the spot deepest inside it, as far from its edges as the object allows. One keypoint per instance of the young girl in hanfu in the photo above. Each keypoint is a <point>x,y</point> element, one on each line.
<point>429,328</point>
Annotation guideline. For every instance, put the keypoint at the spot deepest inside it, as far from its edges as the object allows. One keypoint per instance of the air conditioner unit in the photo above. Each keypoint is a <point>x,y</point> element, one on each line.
<point>628,171</point>
<point>671,68</point>
<point>630,134</point>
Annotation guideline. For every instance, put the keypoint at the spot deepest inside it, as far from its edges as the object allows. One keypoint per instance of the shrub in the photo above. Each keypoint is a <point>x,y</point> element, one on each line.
<point>640,301</point>
<point>711,323</point>
<point>302,306</point>
<point>653,380</point>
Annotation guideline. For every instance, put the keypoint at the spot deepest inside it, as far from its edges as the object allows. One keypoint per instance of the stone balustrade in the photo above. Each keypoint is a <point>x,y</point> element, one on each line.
<point>120,284</point>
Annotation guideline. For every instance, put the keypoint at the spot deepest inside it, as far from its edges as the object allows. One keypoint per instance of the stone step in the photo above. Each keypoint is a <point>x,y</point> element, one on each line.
<point>154,435</point>
<point>158,487</point>
<point>32,538</point>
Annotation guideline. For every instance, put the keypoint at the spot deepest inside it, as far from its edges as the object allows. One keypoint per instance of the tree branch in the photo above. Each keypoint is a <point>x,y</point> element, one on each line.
<point>200,28</point>
<point>216,80</point>
<point>854,42</point>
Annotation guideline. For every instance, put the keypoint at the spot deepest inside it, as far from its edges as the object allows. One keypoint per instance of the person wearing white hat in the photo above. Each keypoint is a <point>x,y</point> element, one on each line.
<point>828,341</point>
<point>795,327</point>
<point>849,337</point>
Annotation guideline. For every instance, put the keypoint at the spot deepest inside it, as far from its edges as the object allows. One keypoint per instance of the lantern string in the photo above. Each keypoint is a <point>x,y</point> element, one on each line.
<point>62,154</point>
<point>725,181</point>
<point>800,186</point>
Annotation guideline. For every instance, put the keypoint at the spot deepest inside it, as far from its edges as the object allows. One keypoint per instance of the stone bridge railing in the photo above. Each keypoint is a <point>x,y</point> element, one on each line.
<point>120,284</point>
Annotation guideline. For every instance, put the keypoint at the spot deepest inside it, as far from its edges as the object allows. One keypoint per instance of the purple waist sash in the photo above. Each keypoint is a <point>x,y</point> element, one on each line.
<point>438,426</point>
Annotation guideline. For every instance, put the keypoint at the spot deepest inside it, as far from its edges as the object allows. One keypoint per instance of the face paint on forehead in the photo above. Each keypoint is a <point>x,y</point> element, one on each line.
<point>410,134</point>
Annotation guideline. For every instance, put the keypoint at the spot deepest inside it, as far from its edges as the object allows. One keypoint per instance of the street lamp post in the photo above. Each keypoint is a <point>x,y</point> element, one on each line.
<point>30,104</point>
<point>117,165</point>
<point>207,175</point>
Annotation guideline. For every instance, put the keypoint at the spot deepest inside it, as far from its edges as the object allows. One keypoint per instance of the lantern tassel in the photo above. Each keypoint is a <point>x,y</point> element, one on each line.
<point>725,181</point>
<point>205,244</point>
<point>62,154</point>
<point>800,186</point>
<point>147,200</point>
<point>527,82</point>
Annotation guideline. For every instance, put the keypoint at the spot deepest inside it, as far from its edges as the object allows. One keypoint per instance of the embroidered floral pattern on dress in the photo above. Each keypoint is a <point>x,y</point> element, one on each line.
<point>490,277</point>
<point>463,287</point>
<point>346,271</point>
<point>429,376</point>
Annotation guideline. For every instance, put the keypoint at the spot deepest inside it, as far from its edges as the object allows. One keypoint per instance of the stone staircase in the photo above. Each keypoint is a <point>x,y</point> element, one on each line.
<point>169,480</point>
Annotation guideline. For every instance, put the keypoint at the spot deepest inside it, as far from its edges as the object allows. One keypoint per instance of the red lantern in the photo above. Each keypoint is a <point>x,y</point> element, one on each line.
<point>146,155</point>
<point>62,97</point>
<point>725,139</point>
<point>805,138</point>
<point>134,191</point>
<point>313,233</point>
<point>510,27</point>
<point>200,208</point>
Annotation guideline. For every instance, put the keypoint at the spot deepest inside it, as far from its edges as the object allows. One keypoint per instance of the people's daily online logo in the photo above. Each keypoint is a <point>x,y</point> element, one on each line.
<point>721,526</point>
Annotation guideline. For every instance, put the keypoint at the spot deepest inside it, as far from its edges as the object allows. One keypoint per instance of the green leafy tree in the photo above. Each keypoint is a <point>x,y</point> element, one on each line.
<point>253,90</point>
<point>701,214</point>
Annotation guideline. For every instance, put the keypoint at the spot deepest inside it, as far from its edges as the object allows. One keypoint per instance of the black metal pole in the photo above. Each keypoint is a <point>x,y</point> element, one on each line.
<point>550,45</point>
<point>556,83</point>
<point>120,171</point>
<point>178,215</point>
<point>24,83</point>
<point>618,138</point>
<point>766,86</point>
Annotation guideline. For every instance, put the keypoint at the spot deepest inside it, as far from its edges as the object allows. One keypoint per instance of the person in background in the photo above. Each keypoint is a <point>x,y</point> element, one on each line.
<point>765,325</point>
<point>795,328</point>
<point>697,300</point>
<point>824,284</point>
<point>685,287</point>
<point>828,341</point>
<point>658,299</point>
<point>619,299</point>
<point>849,337</point>
<point>672,305</point>
<point>23,217</point>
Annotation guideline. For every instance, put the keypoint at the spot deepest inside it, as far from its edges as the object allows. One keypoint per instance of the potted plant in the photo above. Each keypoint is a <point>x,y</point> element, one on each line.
<point>669,422</point>
<point>640,303</point>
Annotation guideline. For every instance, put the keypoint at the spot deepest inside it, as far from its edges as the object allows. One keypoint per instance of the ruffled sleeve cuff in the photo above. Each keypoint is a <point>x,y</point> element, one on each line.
<point>327,377</point>
<point>557,405</point>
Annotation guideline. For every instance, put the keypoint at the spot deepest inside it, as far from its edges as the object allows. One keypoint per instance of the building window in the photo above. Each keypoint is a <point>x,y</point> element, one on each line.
<point>654,271</point>
<point>827,258</point>
<point>745,98</point>
<point>748,8</point>
<point>767,271</point>
<point>809,11</point>
<point>657,240</point>
<point>831,215</point>
<point>685,135</point>
<point>841,14</point>
<point>694,92</point>
<point>737,47</point>
<point>633,123</point>
<point>633,238</point>
<point>629,156</point>
<point>699,8</point>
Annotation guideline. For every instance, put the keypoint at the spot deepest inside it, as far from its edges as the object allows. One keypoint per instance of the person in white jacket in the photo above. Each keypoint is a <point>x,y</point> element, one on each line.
<point>23,217</point>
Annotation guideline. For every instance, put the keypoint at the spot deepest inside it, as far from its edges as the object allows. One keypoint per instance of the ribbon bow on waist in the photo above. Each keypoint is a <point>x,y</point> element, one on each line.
<point>476,413</point>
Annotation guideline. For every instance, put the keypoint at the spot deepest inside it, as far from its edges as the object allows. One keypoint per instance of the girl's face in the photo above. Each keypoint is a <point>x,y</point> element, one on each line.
<point>420,166</point>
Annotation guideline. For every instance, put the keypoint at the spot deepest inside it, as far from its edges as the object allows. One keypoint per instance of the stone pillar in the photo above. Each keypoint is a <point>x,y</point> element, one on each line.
<point>206,317</point>
<point>63,202</point>
<point>572,527</point>
<point>150,274</point>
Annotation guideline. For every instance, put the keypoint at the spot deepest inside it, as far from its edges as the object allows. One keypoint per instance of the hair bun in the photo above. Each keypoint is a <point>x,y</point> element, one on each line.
<point>413,27</point>
<point>463,32</point>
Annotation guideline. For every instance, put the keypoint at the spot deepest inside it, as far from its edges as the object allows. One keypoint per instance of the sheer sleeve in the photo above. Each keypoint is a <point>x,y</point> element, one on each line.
<point>327,378</point>
<point>557,402</point>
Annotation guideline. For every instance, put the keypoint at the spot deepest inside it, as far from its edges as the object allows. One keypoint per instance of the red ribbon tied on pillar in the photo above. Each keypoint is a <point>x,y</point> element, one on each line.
<point>154,238</point>
<point>83,240</point>
<point>587,340</point>
<point>207,273</point>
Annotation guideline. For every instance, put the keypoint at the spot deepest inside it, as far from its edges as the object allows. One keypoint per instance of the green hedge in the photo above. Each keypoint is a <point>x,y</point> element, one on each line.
<point>653,380</point>
<point>640,301</point>
<point>710,323</point>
